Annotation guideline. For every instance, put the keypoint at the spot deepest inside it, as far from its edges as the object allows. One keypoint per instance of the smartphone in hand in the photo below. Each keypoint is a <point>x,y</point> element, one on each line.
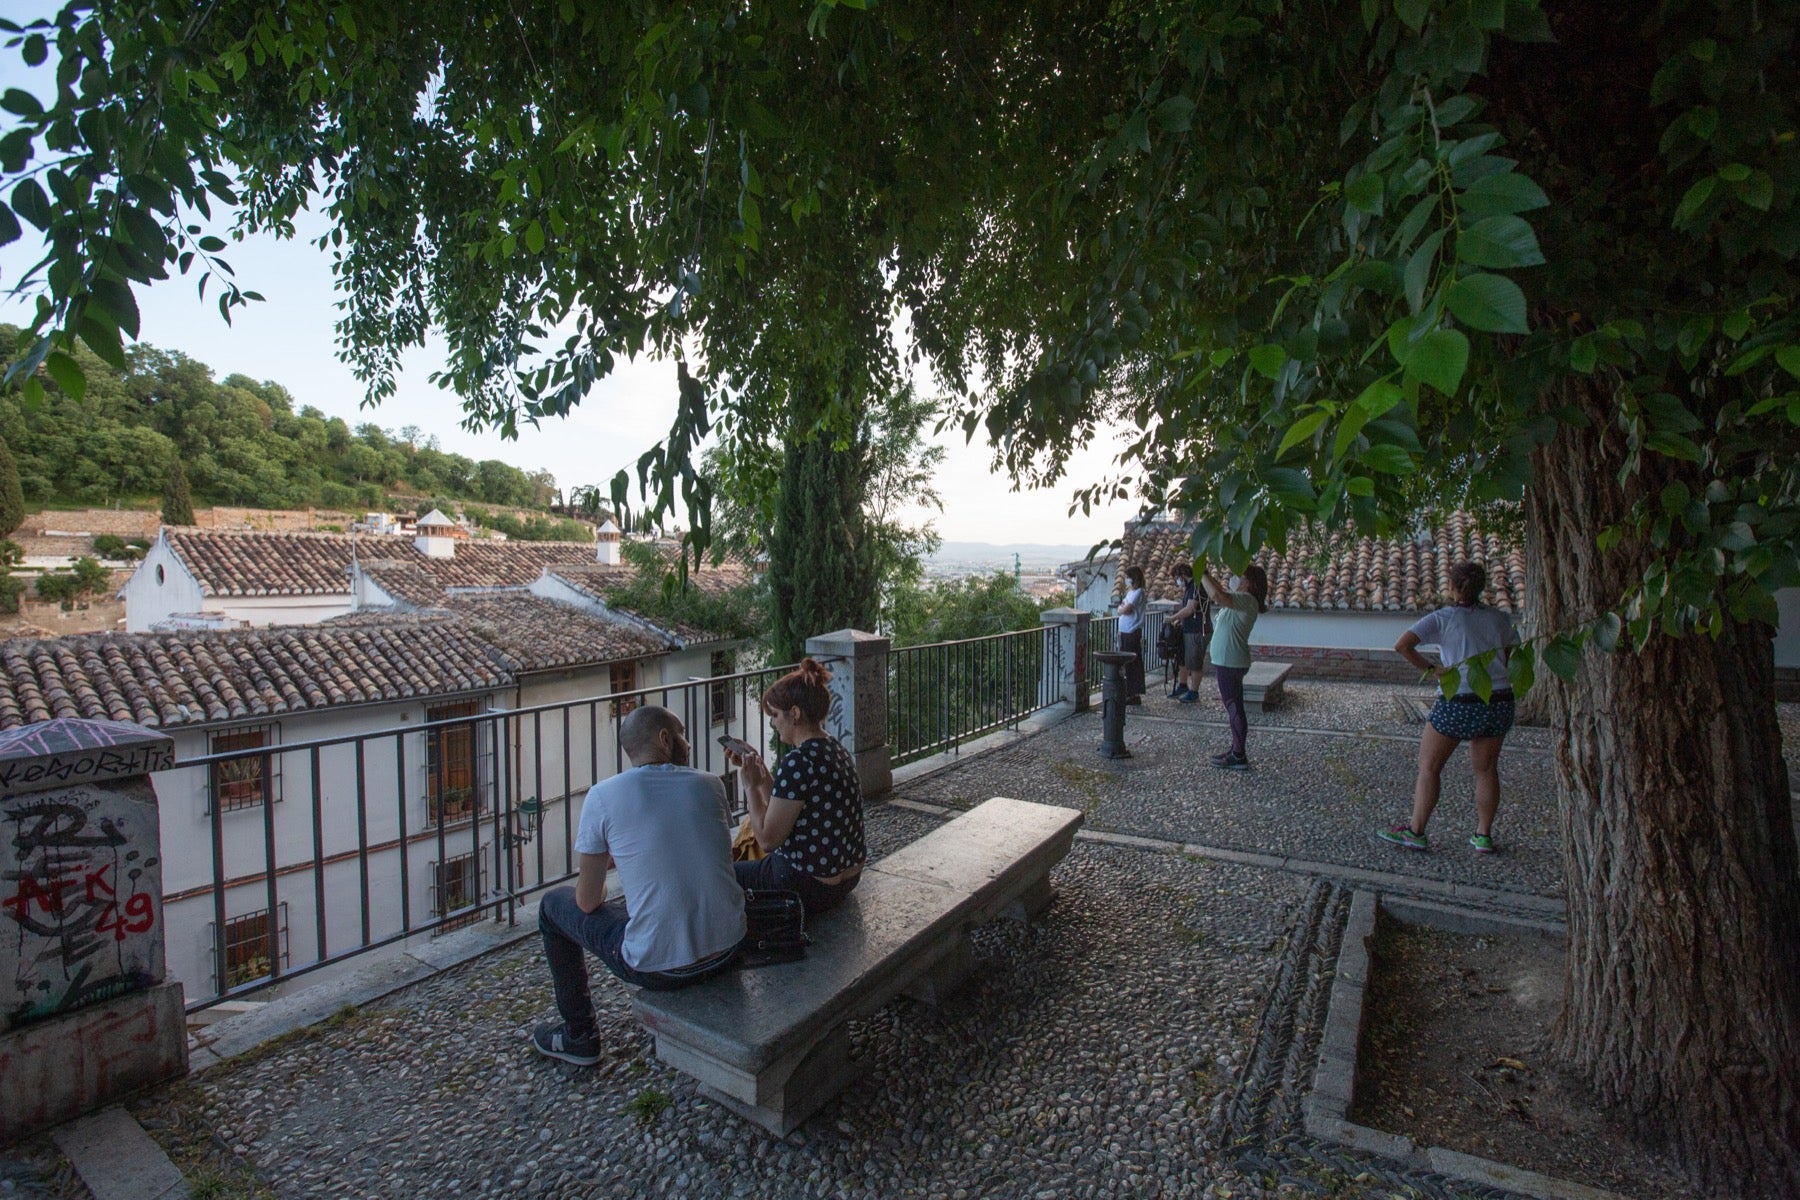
<point>737,746</point>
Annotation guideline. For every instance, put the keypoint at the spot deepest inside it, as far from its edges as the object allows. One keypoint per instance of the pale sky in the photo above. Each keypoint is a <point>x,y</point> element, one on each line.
<point>289,339</point>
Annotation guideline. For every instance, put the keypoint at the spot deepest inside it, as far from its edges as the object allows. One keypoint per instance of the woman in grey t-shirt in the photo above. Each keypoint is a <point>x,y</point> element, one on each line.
<point>1461,631</point>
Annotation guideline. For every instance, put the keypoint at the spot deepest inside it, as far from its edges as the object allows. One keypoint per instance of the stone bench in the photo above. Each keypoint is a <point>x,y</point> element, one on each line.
<point>770,1044</point>
<point>1262,684</point>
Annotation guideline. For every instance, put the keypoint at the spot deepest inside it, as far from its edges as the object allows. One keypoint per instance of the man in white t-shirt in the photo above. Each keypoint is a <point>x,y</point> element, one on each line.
<point>665,826</point>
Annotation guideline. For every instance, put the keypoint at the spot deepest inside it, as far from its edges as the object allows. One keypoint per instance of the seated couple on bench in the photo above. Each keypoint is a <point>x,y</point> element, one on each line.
<point>665,826</point>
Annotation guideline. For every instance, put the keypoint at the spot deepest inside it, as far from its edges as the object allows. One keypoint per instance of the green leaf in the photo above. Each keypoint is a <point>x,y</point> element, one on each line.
<point>20,102</point>
<point>1734,172</point>
<point>1413,12</point>
<point>1673,445</point>
<point>1499,242</point>
<point>9,226</point>
<point>1606,632</point>
<point>1789,358</point>
<point>1364,193</point>
<point>1521,669</point>
<point>1498,195</point>
<point>1267,360</point>
<point>1562,656</point>
<point>1389,460</point>
<point>1417,276</point>
<point>68,375</point>
<point>1695,199</point>
<point>534,237</point>
<point>1440,358</point>
<point>1583,356</point>
<point>1758,191</point>
<point>1302,429</point>
<point>1489,303</point>
<point>1176,114</point>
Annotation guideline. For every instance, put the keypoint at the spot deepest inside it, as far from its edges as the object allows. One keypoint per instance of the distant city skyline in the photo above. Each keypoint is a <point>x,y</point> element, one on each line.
<point>290,339</point>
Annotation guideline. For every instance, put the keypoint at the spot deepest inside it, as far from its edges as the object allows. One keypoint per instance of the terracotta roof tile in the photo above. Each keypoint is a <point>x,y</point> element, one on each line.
<point>173,679</point>
<point>1347,573</point>
<point>538,634</point>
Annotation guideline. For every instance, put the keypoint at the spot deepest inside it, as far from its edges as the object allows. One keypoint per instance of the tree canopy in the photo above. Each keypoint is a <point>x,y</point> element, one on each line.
<point>1337,263</point>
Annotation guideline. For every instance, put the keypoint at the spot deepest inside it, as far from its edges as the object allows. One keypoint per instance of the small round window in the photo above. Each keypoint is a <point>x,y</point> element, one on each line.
<point>159,575</point>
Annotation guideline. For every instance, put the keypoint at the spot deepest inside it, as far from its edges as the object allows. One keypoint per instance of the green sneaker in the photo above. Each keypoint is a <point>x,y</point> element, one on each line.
<point>1403,836</point>
<point>1483,843</point>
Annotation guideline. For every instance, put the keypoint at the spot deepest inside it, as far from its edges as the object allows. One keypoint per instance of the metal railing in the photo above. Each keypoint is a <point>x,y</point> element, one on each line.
<point>364,840</point>
<point>946,693</point>
<point>1103,638</point>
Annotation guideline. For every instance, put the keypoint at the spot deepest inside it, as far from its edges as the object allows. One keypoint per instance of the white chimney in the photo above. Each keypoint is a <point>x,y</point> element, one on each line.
<point>436,536</point>
<point>606,543</point>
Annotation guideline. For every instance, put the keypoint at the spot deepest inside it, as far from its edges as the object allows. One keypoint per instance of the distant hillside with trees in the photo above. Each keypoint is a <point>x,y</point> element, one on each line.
<point>239,441</point>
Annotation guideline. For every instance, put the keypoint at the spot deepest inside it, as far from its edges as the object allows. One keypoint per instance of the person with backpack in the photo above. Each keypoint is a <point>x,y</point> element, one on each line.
<point>1194,621</point>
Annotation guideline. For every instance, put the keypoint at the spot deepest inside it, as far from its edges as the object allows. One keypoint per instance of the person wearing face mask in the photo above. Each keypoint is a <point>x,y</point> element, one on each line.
<point>807,814</point>
<point>666,827</point>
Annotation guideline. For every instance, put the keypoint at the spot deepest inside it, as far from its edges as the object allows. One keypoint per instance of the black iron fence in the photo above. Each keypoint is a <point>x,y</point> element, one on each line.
<point>315,852</point>
<point>943,694</point>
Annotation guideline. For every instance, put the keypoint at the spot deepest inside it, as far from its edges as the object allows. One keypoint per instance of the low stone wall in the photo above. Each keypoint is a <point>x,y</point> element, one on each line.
<point>273,520</point>
<point>120,522</point>
<point>1379,666</point>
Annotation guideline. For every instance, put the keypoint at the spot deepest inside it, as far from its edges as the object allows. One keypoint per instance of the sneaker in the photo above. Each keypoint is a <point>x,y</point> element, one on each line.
<point>1231,761</point>
<point>1219,759</point>
<point>553,1041</point>
<point>1483,843</point>
<point>1186,695</point>
<point>1402,835</point>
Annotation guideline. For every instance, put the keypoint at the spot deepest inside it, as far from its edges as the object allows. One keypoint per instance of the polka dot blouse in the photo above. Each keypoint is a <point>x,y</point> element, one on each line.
<point>827,838</point>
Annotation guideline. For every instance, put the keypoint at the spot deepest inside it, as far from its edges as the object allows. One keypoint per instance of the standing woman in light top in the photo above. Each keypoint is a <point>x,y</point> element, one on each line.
<point>1131,634</point>
<point>808,815</point>
<point>1460,630</point>
<point>1239,606</point>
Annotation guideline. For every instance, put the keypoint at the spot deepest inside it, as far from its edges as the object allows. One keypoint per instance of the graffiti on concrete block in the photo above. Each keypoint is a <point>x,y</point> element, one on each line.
<point>79,889</point>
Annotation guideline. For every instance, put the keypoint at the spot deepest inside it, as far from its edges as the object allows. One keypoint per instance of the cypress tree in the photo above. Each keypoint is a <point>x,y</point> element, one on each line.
<point>177,504</point>
<point>12,499</point>
<point>821,569</point>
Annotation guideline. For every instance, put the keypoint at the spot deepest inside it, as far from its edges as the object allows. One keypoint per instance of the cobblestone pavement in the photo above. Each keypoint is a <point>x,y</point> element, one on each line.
<point>1332,766</point>
<point>1151,1036</point>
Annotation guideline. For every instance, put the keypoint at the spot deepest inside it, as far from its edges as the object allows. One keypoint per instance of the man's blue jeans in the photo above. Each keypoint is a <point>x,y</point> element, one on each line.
<point>568,932</point>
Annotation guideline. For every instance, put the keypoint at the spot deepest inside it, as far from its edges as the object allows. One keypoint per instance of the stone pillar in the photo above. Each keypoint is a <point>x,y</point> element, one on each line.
<point>1071,626</point>
<point>859,703</point>
<point>85,1015</point>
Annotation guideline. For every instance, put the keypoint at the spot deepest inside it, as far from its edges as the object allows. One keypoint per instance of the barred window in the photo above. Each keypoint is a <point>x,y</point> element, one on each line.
<point>719,694</point>
<point>458,885</point>
<point>452,781</point>
<point>252,779</point>
<point>252,948</point>
<point>622,677</point>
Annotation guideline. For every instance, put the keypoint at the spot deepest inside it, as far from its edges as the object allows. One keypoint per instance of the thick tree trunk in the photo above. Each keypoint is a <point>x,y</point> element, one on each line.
<point>1682,1007</point>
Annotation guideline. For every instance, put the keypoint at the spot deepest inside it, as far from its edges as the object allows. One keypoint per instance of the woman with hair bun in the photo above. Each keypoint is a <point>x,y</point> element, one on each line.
<point>1460,630</point>
<point>1239,605</point>
<point>808,815</point>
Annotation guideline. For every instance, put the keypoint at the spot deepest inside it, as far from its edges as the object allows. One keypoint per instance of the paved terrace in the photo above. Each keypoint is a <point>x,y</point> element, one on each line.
<point>1152,1036</point>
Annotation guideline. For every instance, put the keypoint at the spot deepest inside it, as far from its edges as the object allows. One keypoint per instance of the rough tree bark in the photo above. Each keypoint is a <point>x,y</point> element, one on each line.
<point>1682,1007</point>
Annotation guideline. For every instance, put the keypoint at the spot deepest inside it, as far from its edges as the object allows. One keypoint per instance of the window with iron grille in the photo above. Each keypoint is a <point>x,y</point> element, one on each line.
<point>622,677</point>
<point>458,885</point>
<point>252,779</point>
<point>453,761</point>
<point>719,694</point>
<point>251,948</point>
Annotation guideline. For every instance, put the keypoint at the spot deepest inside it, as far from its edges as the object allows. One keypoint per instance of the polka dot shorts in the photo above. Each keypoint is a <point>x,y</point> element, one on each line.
<point>1466,717</point>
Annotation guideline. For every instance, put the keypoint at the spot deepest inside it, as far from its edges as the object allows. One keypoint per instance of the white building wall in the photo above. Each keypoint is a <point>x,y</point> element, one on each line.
<point>394,790</point>
<point>160,587</point>
<point>260,611</point>
<point>1331,631</point>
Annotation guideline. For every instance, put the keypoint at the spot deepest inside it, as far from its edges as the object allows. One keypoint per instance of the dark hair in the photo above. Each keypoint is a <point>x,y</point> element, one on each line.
<point>1136,575</point>
<point>1257,580</point>
<point>1184,570</point>
<point>805,688</point>
<point>1467,579</point>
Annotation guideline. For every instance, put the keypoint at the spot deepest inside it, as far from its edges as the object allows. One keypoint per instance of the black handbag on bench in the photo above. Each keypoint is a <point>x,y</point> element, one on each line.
<point>776,928</point>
